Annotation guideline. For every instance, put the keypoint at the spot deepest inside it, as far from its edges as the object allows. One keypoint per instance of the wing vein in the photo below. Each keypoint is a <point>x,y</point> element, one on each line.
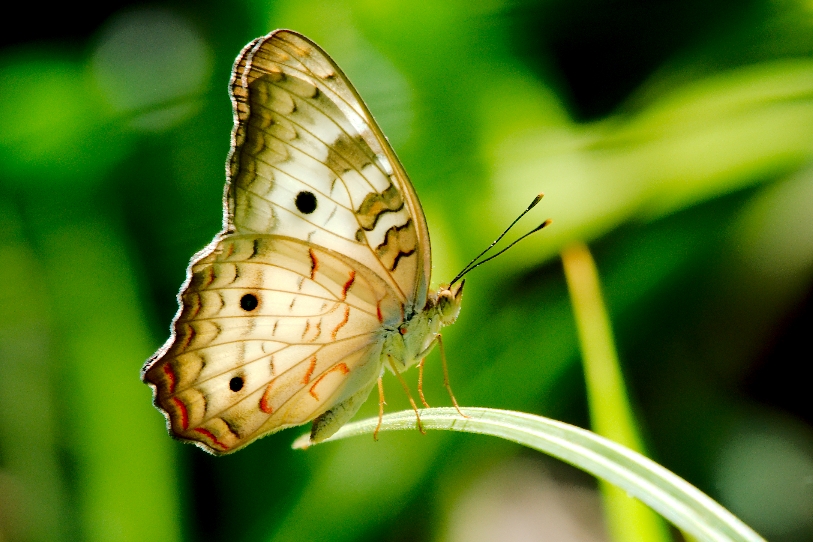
<point>297,98</point>
<point>393,281</point>
<point>298,294</point>
<point>293,366</point>
<point>189,350</point>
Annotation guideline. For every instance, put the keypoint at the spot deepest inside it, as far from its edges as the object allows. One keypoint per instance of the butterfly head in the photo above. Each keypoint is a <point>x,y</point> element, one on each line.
<point>448,302</point>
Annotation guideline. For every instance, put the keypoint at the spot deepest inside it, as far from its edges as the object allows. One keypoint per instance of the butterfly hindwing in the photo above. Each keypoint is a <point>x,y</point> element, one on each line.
<point>270,333</point>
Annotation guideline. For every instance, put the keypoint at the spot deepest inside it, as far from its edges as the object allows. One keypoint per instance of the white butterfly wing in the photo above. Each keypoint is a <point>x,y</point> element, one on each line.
<point>271,333</point>
<point>301,128</point>
<point>324,244</point>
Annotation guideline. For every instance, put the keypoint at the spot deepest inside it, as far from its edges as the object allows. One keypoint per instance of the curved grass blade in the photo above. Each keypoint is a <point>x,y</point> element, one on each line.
<point>611,414</point>
<point>684,505</point>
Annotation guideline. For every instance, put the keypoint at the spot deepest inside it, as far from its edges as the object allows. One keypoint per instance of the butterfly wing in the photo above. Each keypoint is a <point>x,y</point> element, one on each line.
<point>272,332</point>
<point>324,244</point>
<point>309,162</point>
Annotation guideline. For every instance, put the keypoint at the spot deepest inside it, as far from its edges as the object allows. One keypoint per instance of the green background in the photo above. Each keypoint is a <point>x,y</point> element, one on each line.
<point>674,137</point>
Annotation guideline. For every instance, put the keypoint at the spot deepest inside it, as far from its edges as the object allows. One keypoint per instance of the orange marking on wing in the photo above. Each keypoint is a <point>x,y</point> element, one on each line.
<point>314,263</point>
<point>188,337</point>
<point>348,284</point>
<point>191,306</point>
<point>307,327</point>
<point>378,312</point>
<point>342,323</point>
<point>198,306</point>
<point>170,377</point>
<point>264,400</point>
<point>338,367</point>
<point>229,251</point>
<point>307,377</point>
<point>208,434</point>
<point>318,331</point>
<point>184,414</point>
<point>210,271</point>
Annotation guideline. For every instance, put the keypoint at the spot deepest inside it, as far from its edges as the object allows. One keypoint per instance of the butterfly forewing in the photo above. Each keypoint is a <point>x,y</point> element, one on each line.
<point>324,246</point>
<point>310,162</point>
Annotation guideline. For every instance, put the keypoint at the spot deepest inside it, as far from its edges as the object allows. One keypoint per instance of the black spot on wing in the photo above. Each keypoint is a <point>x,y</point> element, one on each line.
<point>249,302</point>
<point>236,383</point>
<point>306,202</point>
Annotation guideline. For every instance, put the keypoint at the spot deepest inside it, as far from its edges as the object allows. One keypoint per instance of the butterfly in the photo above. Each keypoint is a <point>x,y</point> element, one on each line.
<point>319,280</point>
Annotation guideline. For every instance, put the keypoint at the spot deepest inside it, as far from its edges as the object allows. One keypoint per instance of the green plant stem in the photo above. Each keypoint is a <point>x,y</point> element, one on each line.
<point>610,412</point>
<point>675,499</point>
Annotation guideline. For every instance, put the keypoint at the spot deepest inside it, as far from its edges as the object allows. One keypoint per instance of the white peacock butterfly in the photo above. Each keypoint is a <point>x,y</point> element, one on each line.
<point>319,278</point>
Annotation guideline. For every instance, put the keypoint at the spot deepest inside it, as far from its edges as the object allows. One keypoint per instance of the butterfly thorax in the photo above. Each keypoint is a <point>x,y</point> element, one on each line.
<point>410,342</point>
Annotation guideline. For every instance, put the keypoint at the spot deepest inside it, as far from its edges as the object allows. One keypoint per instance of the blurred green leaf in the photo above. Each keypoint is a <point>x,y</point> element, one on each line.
<point>126,476</point>
<point>31,479</point>
<point>611,415</point>
<point>55,130</point>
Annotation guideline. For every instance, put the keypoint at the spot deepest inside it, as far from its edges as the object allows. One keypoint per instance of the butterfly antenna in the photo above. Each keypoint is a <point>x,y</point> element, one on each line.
<point>471,265</point>
<point>478,264</point>
<point>468,267</point>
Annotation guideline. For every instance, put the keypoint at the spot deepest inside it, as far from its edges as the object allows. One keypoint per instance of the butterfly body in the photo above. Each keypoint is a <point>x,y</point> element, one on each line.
<point>404,345</point>
<point>413,339</point>
<point>319,278</point>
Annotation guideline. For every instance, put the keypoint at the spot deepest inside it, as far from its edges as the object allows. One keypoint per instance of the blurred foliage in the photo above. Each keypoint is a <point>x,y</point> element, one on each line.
<point>674,137</point>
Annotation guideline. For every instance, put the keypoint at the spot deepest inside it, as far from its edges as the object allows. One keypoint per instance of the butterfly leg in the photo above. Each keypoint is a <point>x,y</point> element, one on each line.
<point>420,383</point>
<point>406,389</point>
<point>381,404</point>
<point>448,386</point>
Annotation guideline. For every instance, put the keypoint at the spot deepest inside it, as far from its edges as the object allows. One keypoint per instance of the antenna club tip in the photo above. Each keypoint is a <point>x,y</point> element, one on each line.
<point>543,225</point>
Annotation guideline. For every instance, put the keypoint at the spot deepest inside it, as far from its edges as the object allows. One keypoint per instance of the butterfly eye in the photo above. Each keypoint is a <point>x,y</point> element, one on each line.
<point>249,302</point>
<point>236,383</point>
<point>305,202</point>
